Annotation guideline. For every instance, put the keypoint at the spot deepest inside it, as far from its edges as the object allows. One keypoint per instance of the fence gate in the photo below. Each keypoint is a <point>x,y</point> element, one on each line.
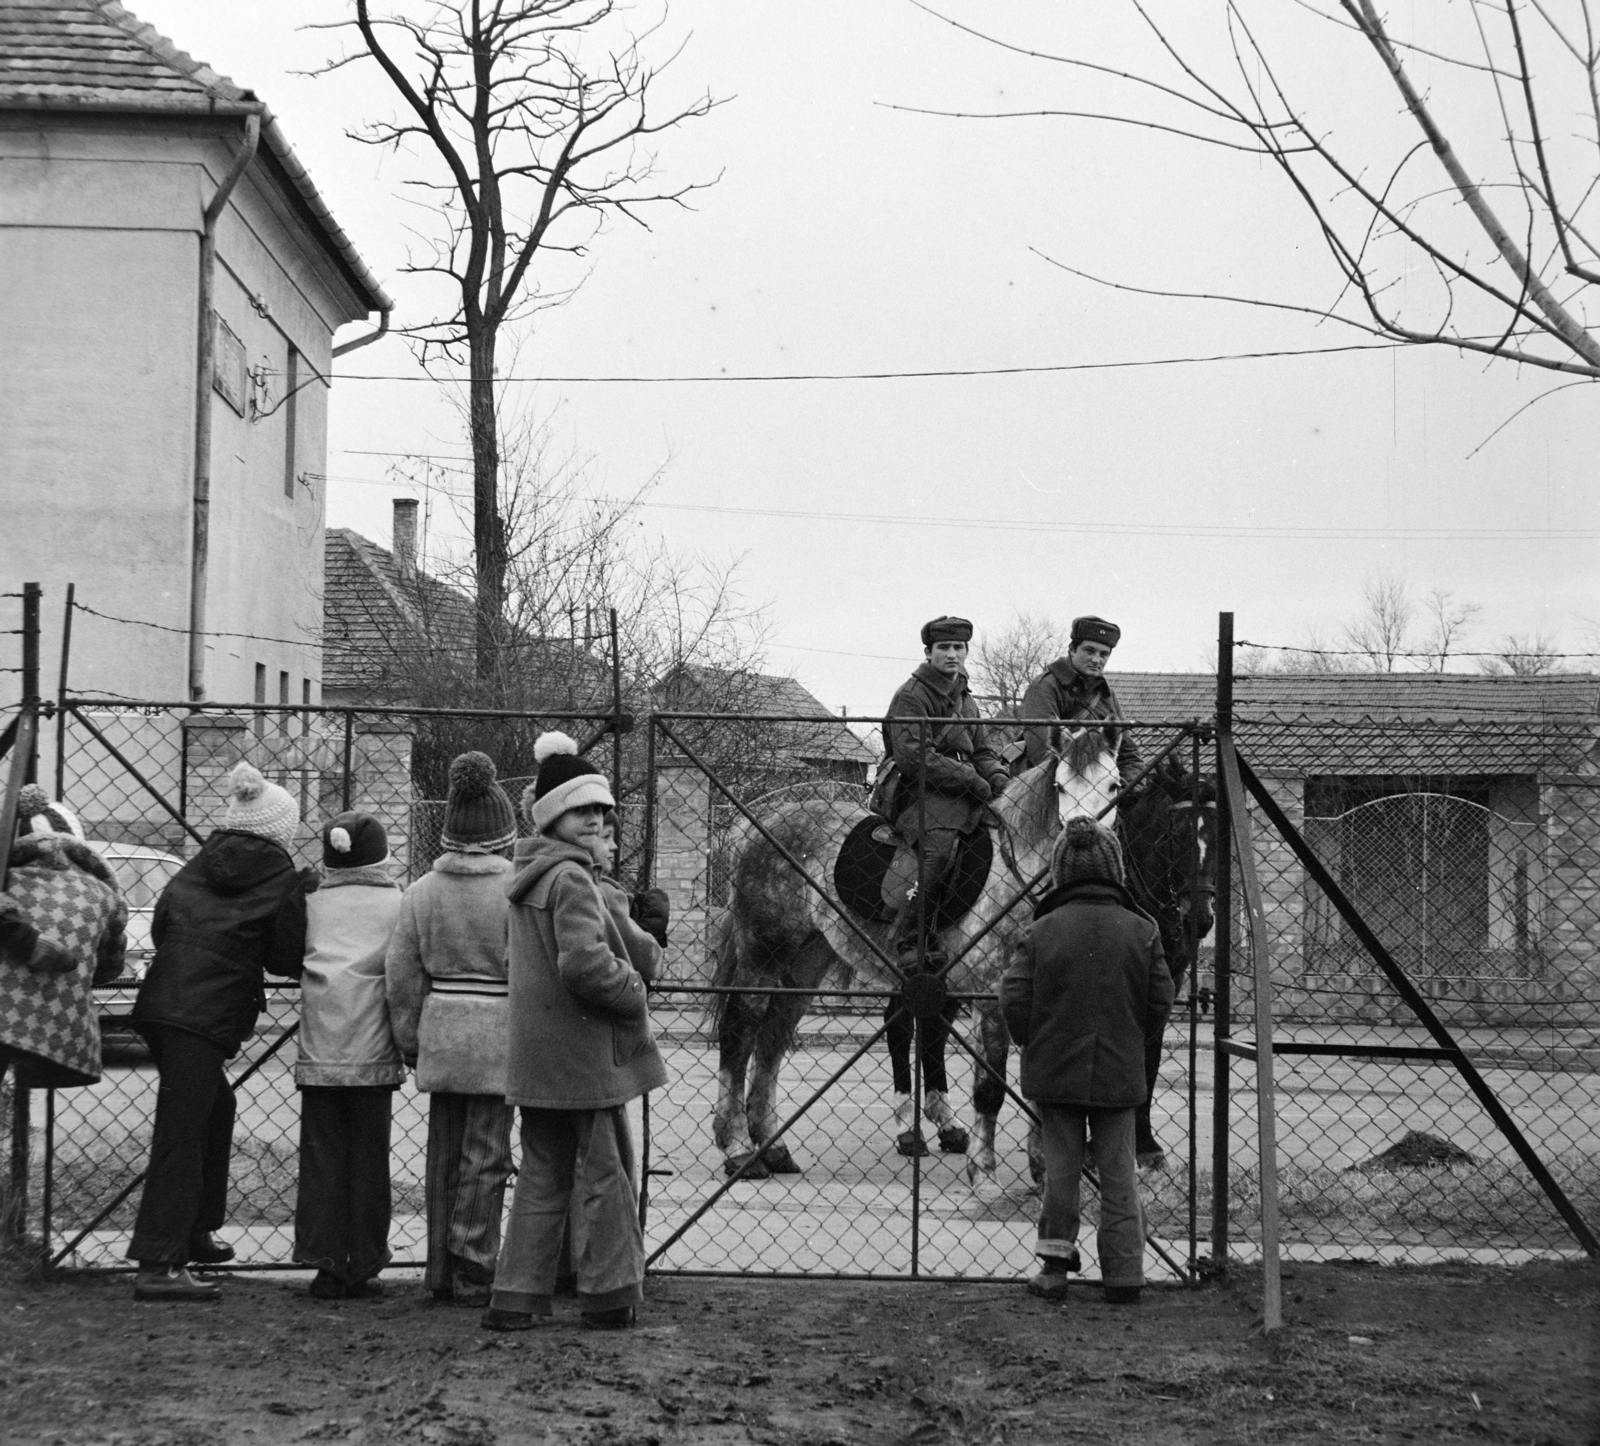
<point>745,837</point>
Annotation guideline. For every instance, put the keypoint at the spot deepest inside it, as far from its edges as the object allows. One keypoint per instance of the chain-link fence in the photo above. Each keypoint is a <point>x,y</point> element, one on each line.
<point>1467,851</point>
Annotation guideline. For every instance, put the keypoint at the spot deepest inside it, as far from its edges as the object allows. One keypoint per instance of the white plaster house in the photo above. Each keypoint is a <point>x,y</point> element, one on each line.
<point>170,287</point>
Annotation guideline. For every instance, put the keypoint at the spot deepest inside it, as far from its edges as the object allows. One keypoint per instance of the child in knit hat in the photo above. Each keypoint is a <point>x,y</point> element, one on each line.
<point>1086,986</point>
<point>580,1050</point>
<point>348,1066</point>
<point>235,911</point>
<point>446,970</point>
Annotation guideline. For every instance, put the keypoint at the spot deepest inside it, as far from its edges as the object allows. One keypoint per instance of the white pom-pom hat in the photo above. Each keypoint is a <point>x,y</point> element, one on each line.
<point>258,807</point>
<point>565,782</point>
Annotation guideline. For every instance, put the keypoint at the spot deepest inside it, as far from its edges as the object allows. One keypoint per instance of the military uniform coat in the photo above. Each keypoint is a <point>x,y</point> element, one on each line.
<point>958,767</point>
<point>1061,691</point>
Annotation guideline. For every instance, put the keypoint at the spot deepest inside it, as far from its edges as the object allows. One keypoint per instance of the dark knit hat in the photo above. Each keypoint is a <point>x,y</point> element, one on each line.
<point>478,818</point>
<point>1095,630</point>
<point>946,630</point>
<point>1086,852</point>
<point>353,840</point>
<point>565,781</point>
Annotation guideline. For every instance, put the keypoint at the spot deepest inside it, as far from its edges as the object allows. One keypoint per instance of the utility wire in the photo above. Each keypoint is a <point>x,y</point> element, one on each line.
<point>930,373</point>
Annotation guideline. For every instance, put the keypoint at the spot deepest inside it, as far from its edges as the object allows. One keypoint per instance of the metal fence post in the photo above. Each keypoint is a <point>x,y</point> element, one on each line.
<point>25,760</point>
<point>1222,965</point>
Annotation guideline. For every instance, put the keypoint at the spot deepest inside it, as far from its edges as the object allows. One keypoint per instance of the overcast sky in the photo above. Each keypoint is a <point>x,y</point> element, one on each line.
<point>846,236</point>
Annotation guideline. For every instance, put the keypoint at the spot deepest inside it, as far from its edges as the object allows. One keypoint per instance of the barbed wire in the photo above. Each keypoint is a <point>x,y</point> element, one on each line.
<point>1507,652</point>
<point>210,632</point>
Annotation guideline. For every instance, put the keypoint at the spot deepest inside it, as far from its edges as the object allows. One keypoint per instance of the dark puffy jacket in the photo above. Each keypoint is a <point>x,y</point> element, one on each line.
<point>1086,987</point>
<point>235,909</point>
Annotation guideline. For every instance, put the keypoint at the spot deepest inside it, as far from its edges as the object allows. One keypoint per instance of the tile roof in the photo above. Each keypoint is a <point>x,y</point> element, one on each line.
<point>1390,723</point>
<point>375,626</point>
<point>93,55</point>
<point>748,693</point>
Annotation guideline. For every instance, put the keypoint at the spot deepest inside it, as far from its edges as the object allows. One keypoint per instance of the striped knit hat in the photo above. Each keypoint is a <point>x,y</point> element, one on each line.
<point>565,781</point>
<point>39,815</point>
<point>478,818</point>
<point>258,807</point>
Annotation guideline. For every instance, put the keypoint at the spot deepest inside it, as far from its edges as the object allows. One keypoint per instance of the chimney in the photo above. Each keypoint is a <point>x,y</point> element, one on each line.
<point>405,537</point>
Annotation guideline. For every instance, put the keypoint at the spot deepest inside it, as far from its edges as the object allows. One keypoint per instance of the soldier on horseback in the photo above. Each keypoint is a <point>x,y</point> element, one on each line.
<point>947,773</point>
<point>1074,688</point>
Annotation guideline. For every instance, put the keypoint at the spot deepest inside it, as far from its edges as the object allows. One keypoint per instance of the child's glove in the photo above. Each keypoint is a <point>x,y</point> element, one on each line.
<point>651,910</point>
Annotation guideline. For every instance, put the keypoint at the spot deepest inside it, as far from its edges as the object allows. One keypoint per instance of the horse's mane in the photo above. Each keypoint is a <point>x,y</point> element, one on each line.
<point>1028,806</point>
<point>1082,750</point>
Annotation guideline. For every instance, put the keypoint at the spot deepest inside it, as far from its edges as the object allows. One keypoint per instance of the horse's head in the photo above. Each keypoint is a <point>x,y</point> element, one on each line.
<point>1168,836</point>
<point>1086,777</point>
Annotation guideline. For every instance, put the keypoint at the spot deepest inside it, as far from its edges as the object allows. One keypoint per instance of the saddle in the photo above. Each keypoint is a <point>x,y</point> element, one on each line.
<point>876,871</point>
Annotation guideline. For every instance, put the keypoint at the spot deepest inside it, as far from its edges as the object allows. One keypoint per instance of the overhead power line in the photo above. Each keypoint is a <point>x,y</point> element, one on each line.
<point>921,374</point>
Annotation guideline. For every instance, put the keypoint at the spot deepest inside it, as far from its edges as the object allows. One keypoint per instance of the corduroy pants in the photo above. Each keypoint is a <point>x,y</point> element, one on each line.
<point>342,1206</point>
<point>186,1187</point>
<point>469,1162</point>
<point>594,1150</point>
<point>1120,1239</point>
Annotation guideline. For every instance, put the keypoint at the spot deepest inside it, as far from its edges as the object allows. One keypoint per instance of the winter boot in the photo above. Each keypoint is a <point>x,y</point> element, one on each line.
<point>1051,1281</point>
<point>172,1282</point>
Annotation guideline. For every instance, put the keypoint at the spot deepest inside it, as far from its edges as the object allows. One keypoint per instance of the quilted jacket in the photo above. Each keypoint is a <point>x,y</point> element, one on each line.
<point>68,894</point>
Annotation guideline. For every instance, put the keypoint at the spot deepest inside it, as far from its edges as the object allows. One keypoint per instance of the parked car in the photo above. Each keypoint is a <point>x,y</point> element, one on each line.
<point>141,873</point>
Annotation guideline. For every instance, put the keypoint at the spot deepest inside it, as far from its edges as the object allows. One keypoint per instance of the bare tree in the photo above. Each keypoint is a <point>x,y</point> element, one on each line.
<point>1432,241</point>
<point>1004,663</point>
<point>1382,631</point>
<point>533,121</point>
<point>1448,622</point>
<point>1525,656</point>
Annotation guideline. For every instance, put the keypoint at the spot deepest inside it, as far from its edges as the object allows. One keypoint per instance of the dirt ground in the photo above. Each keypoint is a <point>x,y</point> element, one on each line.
<point>1370,1354</point>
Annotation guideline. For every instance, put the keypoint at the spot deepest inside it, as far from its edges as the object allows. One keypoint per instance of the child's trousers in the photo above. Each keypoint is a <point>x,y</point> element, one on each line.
<point>469,1162</point>
<point>594,1149</point>
<point>342,1209</point>
<point>1120,1239</point>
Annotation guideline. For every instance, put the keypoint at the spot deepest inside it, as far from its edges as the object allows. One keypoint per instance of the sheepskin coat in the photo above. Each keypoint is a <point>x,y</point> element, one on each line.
<point>446,971</point>
<point>580,1024</point>
<point>345,1037</point>
<point>67,892</point>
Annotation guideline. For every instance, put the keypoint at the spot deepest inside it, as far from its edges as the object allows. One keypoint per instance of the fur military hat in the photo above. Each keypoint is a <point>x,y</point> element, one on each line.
<point>1086,852</point>
<point>1095,630</point>
<point>565,782</point>
<point>478,816</point>
<point>353,840</point>
<point>946,630</point>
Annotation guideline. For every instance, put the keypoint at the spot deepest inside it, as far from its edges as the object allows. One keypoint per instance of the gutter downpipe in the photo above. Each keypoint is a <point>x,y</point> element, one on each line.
<point>205,369</point>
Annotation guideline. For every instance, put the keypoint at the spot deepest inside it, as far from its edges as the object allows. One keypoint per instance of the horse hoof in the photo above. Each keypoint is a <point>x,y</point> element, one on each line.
<point>986,1190</point>
<point>779,1161</point>
<point>953,1140</point>
<point>1155,1159</point>
<point>735,1164</point>
<point>911,1144</point>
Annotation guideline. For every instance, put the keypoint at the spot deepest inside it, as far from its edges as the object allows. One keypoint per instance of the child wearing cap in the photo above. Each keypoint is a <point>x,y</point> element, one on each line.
<point>446,970</point>
<point>235,910</point>
<point>1087,986</point>
<point>348,1066</point>
<point>580,1050</point>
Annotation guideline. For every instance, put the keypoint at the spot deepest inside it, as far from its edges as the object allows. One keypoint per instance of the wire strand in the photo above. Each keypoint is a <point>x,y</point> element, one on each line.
<point>1370,652</point>
<point>210,632</point>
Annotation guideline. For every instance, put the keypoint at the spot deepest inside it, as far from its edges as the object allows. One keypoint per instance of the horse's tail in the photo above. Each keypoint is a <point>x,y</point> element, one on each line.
<point>724,951</point>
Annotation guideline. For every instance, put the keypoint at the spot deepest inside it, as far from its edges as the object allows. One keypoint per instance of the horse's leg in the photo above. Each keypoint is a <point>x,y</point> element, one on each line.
<point>773,1043</point>
<point>738,1028</point>
<point>1146,1148</point>
<point>953,1140</point>
<point>988,1093</point>
<point>901,1027</point>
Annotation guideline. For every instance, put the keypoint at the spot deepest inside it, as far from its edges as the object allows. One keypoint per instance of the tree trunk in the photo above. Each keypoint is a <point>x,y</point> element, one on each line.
<point>489,548</point>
